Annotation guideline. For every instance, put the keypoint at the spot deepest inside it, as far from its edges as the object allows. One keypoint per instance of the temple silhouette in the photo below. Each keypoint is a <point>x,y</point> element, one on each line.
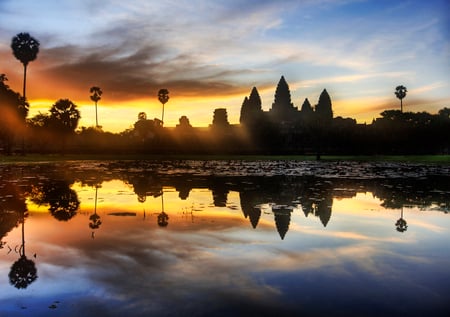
<point>283,113</point>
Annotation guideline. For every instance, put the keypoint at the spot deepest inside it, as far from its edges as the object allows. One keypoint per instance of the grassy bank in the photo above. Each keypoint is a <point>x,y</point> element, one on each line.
<point>36,158</point>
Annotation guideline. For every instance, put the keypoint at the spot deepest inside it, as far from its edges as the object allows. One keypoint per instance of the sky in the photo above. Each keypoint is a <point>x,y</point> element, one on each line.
<point>210,54</point>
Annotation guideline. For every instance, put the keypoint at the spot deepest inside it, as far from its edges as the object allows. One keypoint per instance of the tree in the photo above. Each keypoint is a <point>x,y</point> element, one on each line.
<point>64,116</point>
<point>144,128</point>
<point>444,113</point>
<point>95,97</point>
<point>400,92</point>
<point>25,49</point>
<point>13,111</point>
<point>63,120</point>
<point>163,97</point>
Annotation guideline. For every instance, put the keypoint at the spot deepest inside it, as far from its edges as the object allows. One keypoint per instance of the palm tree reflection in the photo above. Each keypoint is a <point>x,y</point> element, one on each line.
<point>95,221</point>
<point>23,272</point>
<point>401,224</point>
<point>163,218</point>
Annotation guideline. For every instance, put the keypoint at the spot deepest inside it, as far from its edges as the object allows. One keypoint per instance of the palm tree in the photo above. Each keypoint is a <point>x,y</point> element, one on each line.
<point>96,96</point>
<point>400,92</point>
<point>163,97</point>
<point>25,49</point>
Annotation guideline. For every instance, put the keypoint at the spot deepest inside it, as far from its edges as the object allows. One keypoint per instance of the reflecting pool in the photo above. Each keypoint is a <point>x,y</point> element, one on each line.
<point>224,238</point>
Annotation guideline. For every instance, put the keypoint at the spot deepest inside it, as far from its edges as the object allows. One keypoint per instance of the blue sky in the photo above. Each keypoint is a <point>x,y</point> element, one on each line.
<point>210,54</point>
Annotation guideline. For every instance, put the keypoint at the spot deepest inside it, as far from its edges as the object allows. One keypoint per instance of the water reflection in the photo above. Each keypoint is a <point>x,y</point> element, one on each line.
<point>51,186</point>
<point>208,238</point>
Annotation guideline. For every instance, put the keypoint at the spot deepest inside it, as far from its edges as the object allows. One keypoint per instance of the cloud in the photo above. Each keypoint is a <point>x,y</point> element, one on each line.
<point>135,75</point>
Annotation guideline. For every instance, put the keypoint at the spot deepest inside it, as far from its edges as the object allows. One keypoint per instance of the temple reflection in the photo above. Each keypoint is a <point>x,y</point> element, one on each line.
<point>312,196</point>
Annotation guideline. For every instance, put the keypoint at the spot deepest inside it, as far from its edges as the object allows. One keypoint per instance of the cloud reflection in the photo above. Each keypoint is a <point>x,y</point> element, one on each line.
<point>215,260</point>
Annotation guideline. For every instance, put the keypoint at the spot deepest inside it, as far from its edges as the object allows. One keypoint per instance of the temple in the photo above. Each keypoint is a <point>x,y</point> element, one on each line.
<point>283,111</point>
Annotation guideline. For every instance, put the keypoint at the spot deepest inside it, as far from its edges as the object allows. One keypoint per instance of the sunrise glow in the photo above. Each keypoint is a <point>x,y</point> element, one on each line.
<point>210,54</point>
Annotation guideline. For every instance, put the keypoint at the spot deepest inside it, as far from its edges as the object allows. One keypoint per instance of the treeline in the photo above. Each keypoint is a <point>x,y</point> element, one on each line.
<point>395,132</point>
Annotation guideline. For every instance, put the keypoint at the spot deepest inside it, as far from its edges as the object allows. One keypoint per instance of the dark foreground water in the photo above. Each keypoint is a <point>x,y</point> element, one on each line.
<point>224,238</point>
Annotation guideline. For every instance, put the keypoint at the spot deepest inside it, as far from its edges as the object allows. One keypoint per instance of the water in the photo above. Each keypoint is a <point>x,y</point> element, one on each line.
<point>224,238</point>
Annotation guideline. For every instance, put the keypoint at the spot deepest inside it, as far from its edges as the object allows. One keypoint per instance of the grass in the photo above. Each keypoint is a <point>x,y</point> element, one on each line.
<point>38,158</point>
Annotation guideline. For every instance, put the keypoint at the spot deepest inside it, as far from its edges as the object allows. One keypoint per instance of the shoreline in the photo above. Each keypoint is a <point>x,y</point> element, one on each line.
<point>38,158</point>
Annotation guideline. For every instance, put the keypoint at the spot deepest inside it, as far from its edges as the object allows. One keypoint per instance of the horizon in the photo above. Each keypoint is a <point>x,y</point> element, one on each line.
<point>210,55</point>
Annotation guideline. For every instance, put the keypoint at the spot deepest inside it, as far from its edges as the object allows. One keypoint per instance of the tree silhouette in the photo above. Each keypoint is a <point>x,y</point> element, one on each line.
<point>163,97</point>
<point>144,128</point>
<point>64,116</point>
<point>95,97</point>
<point>400,93</point>
<point>13,111</point>
<point>25,49</point>
<point>63,119</point>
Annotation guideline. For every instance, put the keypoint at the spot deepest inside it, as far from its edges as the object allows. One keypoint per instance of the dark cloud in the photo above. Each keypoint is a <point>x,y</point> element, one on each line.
<point>130,73</point>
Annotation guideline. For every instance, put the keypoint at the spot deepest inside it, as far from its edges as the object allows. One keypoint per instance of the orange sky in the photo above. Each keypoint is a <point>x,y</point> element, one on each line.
<point>213,53</point>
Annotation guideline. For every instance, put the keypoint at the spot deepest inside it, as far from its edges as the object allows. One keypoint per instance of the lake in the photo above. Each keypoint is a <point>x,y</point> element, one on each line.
<point>224,238</point>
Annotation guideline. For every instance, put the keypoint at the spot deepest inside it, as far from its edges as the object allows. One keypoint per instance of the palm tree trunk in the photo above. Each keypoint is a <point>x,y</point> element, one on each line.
<point>162,117</point>
<point>24,100</point>
<point>95,206</point>
<point>96,118</point>
<point>401,105</point>
<point>24,81</point>
<point>23,235</point>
